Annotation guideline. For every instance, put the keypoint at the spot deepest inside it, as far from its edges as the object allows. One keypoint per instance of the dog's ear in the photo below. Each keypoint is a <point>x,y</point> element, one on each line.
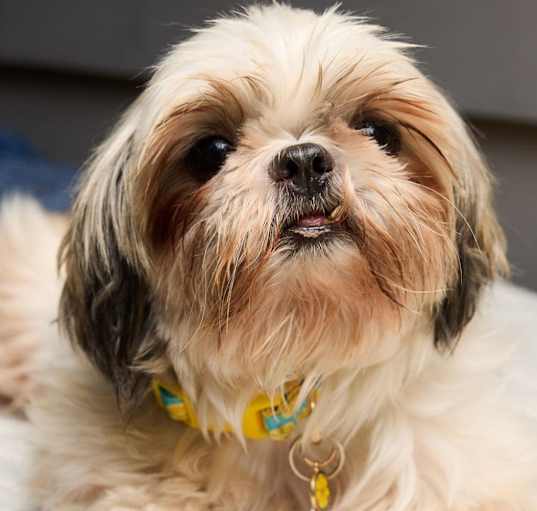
<point>479,241</point>
<point>105,307</point>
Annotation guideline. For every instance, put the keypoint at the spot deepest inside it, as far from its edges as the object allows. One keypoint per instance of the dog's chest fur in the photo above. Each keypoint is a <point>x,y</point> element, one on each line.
<point>422,449</point>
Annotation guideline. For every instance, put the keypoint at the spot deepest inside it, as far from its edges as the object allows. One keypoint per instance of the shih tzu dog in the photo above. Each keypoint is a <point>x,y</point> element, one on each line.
<point>270,276</point>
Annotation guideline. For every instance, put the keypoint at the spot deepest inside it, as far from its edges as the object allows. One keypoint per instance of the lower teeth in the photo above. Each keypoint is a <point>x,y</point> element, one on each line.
<point>310,232</point>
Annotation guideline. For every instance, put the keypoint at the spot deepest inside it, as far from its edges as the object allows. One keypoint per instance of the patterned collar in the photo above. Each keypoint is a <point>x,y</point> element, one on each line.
<point>264,418</point>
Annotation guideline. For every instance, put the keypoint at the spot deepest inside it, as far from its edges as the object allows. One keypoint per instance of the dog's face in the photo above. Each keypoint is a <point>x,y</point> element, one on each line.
<point>287,197</point>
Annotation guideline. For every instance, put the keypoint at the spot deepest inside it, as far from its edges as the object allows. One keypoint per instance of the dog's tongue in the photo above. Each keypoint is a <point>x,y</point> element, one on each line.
<point>312,221</point>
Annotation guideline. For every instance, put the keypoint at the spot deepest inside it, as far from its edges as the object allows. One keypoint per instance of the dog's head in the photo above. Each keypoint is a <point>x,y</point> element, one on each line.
<point>287,194</point>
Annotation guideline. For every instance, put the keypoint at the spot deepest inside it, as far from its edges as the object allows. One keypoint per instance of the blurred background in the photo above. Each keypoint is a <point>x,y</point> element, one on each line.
<point>67,70</point>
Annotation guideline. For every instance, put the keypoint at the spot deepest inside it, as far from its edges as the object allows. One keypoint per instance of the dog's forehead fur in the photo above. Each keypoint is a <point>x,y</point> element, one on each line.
<point>282,63</point>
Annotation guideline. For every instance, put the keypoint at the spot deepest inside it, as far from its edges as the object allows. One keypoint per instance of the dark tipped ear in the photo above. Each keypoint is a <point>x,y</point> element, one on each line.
<point>106,311</point>
<point>460,302</point>
<point>106,307</point>
<point>481,251</point>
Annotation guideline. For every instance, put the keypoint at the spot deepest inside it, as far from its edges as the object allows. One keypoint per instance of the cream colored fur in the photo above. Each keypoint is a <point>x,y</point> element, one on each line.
<point>423,430</point>
<point>431,433</point>
<point>28,295</point>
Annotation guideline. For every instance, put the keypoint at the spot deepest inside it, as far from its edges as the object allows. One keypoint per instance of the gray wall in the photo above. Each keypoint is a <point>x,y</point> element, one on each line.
<point>68,68</point>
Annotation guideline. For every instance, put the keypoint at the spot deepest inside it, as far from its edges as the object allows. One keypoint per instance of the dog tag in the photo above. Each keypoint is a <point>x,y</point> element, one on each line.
<point>321,472</point>
<point>319,491</point>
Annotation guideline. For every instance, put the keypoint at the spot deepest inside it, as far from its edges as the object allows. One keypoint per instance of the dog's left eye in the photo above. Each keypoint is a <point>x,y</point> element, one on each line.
<point>384,134</point>
<point>207,156</point>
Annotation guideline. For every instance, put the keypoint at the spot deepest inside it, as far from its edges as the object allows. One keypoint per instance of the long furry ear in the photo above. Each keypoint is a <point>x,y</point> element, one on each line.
<point>105,306</point>
<point>480,245</point>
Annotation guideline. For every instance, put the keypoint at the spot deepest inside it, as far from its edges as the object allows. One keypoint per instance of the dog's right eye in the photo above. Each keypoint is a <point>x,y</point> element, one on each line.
<point>384,134</point>
<point>207,156</point>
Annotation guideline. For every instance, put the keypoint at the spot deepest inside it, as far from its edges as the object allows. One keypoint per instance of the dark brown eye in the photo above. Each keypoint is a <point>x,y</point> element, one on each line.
<point>383,133</point>
<point>206,157</point>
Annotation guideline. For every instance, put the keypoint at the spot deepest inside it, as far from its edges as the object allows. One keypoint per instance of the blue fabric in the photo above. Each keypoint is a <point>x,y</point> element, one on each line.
<point>23,170</point>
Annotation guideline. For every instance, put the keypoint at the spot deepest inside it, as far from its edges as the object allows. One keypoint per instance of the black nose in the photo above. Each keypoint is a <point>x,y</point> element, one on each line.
<point>304,166</point>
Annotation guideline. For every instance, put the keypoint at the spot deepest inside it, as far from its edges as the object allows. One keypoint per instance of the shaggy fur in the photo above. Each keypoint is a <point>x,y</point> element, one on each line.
<point>28,295</point>
<point>195,280</point>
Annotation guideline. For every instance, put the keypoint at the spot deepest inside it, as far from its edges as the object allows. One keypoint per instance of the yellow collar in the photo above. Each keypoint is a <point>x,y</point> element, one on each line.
<point>263,418</point>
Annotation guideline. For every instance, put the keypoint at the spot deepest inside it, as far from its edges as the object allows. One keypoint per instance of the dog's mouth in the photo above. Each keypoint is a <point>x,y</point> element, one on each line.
<point>315,224</point>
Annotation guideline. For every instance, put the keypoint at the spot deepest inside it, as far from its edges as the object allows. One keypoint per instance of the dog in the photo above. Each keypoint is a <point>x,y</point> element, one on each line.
<point>275,278</point>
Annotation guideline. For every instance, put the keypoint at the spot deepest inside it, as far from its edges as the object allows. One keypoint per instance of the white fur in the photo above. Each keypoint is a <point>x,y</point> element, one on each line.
<point>28,250</point>
<point>430,432</point>
<point>422,430</point>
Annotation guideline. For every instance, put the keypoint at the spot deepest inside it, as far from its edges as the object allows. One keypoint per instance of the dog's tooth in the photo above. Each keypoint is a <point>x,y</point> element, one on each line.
<point>336,212</point>
<point>310,232</point>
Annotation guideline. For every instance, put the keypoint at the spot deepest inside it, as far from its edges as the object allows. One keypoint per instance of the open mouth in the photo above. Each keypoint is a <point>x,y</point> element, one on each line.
<point>316,224</point>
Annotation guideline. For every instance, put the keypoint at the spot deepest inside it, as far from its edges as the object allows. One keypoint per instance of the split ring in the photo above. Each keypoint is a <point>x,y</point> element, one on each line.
<point>337,453</point>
